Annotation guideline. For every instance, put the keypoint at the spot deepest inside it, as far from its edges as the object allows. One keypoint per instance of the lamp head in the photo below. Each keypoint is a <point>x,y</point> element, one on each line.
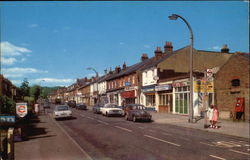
<point>173,17</point>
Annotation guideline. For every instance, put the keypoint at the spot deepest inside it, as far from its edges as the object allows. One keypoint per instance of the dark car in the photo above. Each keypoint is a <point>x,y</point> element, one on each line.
<point>72,103</point>
<point>81,106</point>
<point>96,108</point>
<point>135,112</point>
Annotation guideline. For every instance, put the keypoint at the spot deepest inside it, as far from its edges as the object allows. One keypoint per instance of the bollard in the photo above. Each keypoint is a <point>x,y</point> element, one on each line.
<point>10,149</point>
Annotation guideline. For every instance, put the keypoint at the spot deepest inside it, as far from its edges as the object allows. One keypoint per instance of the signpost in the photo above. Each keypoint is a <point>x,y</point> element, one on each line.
<point>21,109</point>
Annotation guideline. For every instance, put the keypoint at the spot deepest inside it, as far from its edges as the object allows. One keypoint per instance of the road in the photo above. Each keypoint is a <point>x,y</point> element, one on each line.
<point>106,138</point>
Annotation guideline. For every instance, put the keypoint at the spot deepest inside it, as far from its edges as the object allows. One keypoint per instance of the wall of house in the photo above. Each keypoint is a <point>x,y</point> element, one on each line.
<point>236,68</point>
<point>148,76</point>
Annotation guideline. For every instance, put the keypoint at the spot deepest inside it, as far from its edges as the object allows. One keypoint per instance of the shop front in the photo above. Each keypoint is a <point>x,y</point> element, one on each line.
<point>148,96</point>
<point>129,97</point>
<point>165,95</point>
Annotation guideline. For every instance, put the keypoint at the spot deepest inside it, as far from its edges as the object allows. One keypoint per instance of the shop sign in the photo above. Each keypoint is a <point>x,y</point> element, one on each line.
<point>180,84</point>
<point>21,109</point>
<point>128,94</point>
<point>148,90</point>
<point>127,83</point>
<point>200,86</point>
<point>7,119</point>
<point>130,88</point>
<point>163,87</point>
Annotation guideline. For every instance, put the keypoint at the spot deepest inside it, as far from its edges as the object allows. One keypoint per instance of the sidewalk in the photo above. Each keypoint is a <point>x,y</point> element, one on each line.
<point>239,129</point>
<point>46,140</point>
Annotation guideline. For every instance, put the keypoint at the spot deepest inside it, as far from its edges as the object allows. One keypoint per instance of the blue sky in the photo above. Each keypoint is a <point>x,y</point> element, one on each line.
<point>57,41</point>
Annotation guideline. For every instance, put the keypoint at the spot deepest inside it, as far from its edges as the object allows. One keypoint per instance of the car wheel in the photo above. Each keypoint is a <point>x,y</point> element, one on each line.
<point>134,119</point>
<point>107,114</point>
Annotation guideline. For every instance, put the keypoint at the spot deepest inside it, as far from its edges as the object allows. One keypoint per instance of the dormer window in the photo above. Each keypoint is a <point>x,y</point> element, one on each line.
<point>235,82</point>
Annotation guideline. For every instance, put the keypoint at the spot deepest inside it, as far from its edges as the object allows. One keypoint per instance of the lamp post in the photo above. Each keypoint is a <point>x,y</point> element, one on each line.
<point>40,87</point>
<point>191,109</point>
<point>97,76</point>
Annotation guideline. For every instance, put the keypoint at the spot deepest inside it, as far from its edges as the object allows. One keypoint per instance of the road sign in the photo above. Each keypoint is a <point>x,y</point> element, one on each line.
<point>21,109</point>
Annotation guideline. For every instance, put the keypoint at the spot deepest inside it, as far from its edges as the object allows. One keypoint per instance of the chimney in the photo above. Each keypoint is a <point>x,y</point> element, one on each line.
<point>224,49</point>
<point>124,66</point>
<point>117,69</point>
<point>158,53</point>
<point>110,71</point>
<point>168,48</point>
<point>105,71</point>
<point>144,57</point>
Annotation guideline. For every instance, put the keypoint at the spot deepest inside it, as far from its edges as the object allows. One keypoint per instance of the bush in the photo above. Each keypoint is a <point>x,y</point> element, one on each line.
<point>8,106</point>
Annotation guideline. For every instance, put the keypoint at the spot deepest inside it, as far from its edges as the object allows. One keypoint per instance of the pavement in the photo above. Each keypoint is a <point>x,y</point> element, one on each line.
<point>227,127</point>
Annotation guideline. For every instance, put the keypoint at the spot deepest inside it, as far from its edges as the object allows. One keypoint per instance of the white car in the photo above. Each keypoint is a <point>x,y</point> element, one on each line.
<point>111,109</point>
<point>62,111</point>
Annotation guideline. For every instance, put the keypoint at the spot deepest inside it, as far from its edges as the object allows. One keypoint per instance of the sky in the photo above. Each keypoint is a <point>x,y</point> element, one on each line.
<point>53,43</point>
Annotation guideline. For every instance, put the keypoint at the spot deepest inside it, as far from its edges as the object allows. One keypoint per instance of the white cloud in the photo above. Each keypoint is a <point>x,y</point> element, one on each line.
<point>22,70</point>
<point>8,49</point>
<point>13,75</point>
<point>121,43</point>
<point>23,59</point>
<point>33,25</point>
<point>52,80</point>
<point>216,48</point>
<point>8,61</point>
<point>147,46</point>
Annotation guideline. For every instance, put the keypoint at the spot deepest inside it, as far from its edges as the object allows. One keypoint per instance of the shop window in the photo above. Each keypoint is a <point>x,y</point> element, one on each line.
<point>235,82</point>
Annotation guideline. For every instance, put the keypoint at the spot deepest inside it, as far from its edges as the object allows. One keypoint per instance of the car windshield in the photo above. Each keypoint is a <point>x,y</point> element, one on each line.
<point>111,106</point>
<point>139,107</point>
<point>62,108</point>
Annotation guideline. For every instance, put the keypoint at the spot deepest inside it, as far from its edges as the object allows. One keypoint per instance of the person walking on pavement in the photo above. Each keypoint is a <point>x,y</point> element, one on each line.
<point>215,117</point>
<point>210,115</point>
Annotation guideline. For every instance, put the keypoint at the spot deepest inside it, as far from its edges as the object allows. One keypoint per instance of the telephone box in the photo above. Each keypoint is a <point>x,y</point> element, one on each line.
<point>239,108</point>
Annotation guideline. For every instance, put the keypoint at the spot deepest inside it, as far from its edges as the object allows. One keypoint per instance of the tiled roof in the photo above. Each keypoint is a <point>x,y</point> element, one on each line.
<point>179,61</point>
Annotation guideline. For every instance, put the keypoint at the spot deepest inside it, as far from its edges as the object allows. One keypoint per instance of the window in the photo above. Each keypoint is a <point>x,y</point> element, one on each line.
<point>235,82</point>
<point>150,100</point>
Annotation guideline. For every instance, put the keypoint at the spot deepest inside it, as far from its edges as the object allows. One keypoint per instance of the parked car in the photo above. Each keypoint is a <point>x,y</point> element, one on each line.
<point>81,106</point>
<point>46,105</point>
<point>134,112</point>
<point>97,108</point>
<point>62,111</point>
<point>111,109</point>
<point>71,103</point>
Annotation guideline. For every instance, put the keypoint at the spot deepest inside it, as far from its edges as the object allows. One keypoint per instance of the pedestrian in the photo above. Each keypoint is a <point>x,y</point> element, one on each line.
<point>210,115</point>
<point>36,109</point>
<point>215,116</point>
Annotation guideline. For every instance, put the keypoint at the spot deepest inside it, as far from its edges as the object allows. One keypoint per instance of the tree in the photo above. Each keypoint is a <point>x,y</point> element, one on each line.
<point>24,88</point>
<point>7,106</point>
<point>35,91</point>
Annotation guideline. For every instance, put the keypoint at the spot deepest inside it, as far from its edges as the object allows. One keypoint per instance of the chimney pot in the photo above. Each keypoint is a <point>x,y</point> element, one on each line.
<point>158,53</point>
<point>168,48</point>
<point>144,57</point>
<point>124,66</point>
<point>224,49</point>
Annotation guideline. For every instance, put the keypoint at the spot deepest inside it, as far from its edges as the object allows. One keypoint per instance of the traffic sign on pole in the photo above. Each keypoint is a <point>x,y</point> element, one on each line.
<point>21,109</point>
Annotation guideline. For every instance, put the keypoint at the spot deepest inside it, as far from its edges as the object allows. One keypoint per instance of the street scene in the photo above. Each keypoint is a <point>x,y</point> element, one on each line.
<point>136,80</point>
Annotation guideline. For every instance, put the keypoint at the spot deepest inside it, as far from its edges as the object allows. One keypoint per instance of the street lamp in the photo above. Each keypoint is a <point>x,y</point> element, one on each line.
<point>191,109</point>
<point>40,87</point>
<point>97,76</point>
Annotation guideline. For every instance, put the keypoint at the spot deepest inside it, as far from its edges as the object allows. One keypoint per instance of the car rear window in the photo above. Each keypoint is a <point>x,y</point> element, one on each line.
<point>62,108</point>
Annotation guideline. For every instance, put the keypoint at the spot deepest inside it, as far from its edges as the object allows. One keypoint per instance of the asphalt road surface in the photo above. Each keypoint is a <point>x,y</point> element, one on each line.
<point>114,138</point>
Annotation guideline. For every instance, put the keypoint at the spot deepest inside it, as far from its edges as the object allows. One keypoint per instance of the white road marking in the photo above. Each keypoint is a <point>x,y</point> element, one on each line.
<point>141,127</point>
<point>151,130</point>
<point>82,115</point>
<point>228,144</point>
<point>167,134</point>
<point>103,122</point>
<point>90,118</point>
<point>125,129</point>
<point>83,151</point>
<point>217,157</point>
<point>158,139</point>
<point>239,152</point>
<point>207,144</point>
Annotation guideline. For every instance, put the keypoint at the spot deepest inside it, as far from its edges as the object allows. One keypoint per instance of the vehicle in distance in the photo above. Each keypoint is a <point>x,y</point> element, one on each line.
<point>111,109</point>
<point>135,112</point>
<point>62,111</point>
<point>71,103</point>
<point>97,108</point>
<point>81,106</point>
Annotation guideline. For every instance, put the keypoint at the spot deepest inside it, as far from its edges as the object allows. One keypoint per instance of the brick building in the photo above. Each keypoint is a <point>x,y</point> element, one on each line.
<point>231,82</point>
